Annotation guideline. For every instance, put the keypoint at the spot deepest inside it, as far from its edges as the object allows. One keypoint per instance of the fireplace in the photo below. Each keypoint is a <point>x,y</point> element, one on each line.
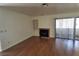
<point>44,32</point>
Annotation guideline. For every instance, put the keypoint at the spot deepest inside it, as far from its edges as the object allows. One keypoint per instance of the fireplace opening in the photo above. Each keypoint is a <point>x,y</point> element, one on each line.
<point>44,32</point>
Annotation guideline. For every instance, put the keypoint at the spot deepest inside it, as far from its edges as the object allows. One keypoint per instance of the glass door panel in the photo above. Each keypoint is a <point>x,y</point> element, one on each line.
<point>77,29</point>
<point>65,28</point>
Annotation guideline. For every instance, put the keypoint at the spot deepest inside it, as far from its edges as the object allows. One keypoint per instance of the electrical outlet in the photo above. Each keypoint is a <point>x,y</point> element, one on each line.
<point>8,42</point>
<point>5,30</point>
<point>1,31</point>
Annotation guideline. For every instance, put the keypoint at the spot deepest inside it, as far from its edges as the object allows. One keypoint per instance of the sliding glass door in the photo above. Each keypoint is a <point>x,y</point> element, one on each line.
<point>77,29</point>
<point>65,28</point>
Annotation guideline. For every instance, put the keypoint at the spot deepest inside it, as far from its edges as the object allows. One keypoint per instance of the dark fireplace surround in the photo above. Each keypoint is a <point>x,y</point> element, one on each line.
<point>44,32</point>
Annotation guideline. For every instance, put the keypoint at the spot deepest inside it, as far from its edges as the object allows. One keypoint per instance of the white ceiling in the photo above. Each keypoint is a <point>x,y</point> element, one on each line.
<point>36,9</point>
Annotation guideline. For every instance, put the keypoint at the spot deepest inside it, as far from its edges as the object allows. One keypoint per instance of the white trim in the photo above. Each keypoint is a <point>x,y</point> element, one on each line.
<point>17,42</point>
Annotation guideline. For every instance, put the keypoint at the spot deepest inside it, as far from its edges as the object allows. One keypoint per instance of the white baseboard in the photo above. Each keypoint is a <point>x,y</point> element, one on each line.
<point>17,42</point>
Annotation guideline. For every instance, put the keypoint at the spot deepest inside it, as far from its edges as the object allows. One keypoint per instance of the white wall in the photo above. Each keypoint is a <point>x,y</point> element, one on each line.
<point>15,27</point>
<point>48,21</point>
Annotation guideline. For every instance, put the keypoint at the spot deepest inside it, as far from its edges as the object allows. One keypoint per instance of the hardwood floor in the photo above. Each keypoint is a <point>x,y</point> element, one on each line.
<point>36,46</point>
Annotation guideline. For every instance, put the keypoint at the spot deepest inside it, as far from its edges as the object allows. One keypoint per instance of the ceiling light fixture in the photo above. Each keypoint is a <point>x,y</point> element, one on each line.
<point>44,4</point>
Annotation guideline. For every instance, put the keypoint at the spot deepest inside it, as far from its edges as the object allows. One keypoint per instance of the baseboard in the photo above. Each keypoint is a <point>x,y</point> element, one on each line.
<point>0,50</point>
<point>16,43</point>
